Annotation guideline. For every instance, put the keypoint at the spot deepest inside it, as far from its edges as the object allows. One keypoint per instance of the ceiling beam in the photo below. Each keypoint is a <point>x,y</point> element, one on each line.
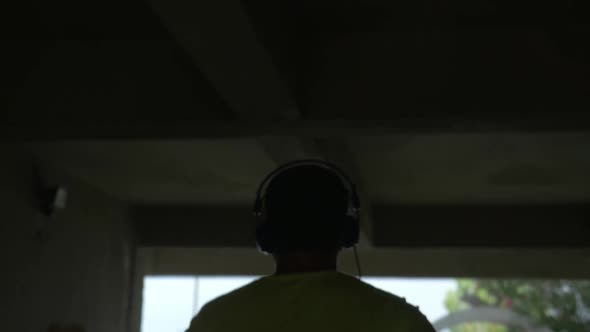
<point>222,42</point>
<point>285,149</point>
<point>408,262</point>
<point>402,226</point>
<point>425,241</point>
<point>482,226</point>
<point>195,226</point>
<point>128,130</point>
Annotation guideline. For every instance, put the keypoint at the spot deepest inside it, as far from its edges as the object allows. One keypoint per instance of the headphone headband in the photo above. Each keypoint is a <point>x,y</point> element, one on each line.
<point>354,203</point>
<point>269,235</point>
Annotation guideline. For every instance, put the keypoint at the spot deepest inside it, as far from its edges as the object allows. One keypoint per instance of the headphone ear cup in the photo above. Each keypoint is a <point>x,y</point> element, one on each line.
<point>350,232</point>
<point>265,239</point>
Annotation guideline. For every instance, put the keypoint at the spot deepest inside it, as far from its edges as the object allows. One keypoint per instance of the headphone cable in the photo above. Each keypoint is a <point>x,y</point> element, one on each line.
<point>358,262</point>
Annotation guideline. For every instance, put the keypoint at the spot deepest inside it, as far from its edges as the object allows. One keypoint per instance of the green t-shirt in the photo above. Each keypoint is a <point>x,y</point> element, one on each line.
<point>322,301</point>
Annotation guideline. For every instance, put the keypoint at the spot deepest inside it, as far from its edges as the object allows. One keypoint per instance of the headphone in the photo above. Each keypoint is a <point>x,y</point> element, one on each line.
<point>267,237</point>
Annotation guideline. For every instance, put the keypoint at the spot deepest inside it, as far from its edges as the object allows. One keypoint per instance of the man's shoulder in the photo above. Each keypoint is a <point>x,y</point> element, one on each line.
<point>236,295</point>
<point>384,297</point>
<point>393,307</point>
<point>212,313</point>
<point>387,309</point>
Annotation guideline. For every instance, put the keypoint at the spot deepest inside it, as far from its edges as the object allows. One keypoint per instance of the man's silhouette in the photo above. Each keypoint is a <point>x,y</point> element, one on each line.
<point>308,213</point>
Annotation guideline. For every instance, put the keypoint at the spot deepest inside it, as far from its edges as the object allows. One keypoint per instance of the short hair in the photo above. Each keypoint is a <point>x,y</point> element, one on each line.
<point>306,203</point>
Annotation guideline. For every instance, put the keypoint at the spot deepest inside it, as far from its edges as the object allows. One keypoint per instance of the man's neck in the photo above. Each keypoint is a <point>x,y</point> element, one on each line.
<point>305,262</point>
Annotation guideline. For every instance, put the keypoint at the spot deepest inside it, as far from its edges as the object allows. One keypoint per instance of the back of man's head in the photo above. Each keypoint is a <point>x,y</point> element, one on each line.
<point>306,204</point>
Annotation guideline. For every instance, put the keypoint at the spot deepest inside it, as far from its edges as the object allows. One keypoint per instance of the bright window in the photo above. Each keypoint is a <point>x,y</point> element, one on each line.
<point>169,303</point>
<point>472,305</point>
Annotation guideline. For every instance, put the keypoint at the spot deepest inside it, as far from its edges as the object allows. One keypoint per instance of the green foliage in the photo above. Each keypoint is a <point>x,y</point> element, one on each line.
<point>561,305</point>
<point>480,327</point>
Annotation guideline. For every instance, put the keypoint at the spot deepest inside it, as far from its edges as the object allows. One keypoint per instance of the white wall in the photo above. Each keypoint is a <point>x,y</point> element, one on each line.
<point>75,267</point>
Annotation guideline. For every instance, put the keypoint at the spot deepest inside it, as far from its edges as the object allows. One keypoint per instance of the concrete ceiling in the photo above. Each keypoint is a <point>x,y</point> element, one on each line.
<point>403,169</point>
<point>172,105</point>
<point>476,168</point>
<point>200,172</point>
<point>492,63</point>
<point>359,59</point>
